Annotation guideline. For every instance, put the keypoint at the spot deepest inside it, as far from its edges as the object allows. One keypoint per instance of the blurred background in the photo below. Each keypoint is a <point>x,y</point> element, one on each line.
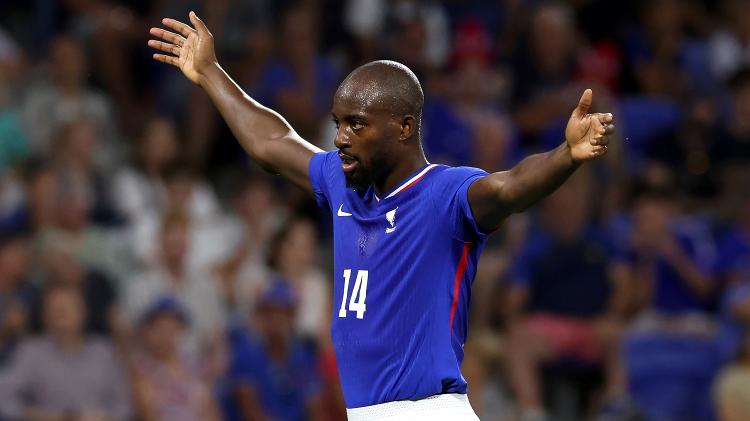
<point>150,271</point>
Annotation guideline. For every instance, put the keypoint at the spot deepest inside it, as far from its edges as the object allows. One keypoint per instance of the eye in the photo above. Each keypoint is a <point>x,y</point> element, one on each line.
<point>356,125</point>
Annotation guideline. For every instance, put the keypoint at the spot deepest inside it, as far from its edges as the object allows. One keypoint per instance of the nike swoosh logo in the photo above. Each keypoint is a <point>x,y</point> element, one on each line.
<point>342,213</point>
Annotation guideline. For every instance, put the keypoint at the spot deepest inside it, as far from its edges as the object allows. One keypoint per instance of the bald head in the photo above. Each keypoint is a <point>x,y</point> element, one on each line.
<point>384,85</point>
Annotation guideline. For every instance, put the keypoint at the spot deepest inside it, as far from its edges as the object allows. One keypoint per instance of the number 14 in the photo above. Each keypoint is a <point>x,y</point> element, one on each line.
<point>359,293</point>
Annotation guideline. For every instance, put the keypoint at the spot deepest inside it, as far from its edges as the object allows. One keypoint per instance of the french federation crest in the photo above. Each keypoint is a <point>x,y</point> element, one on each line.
<point>391,218</point>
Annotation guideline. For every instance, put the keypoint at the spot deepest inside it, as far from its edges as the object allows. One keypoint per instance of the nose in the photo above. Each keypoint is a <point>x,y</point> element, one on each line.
<point>342,140</point>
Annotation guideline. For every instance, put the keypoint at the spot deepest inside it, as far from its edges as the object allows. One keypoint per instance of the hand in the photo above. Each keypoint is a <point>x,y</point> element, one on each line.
<point>587,134</point>
<point>191,50</point>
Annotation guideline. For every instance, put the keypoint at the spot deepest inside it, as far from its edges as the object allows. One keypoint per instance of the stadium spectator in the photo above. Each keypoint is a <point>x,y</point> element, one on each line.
<point>167,386</point>
<point>544,68</point>
<point>61,268</point>
<point>75,154</point>
<point>64,97</point>
<point>184,192</point>
<point>565,302</point>
<point>193,288</point>
<point>671,259</point>
<point>73,229</point>
<point>64,374</point>
<point>248,231</point>
<point>671,267</point>
<point>273,373</point>
<point>730,44</point>
<point>299,82</point>
<point>138,190</point>
<point>292,256</point>
<point>18,297</point>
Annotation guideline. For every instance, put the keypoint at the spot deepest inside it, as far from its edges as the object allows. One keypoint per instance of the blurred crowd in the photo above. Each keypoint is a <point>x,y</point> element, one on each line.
<point>149,270</point>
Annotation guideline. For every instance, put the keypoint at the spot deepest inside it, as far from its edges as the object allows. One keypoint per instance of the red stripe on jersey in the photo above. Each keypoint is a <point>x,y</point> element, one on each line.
<point>413,182</point>
<point>457,280</point>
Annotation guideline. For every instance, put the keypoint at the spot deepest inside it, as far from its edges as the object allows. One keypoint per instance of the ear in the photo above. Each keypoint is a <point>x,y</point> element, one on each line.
<point>408,127</point>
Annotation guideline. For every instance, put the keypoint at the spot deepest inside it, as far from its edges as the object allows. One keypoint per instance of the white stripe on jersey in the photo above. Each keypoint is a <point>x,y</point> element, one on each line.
<point>412,180</point>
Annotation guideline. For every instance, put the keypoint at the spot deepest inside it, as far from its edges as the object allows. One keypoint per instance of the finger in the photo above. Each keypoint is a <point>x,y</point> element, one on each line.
<point>601,142</point>
<point>584,104</point>
<point>598,150</point>
<point>198,23</point>
<point>167,36</point>
<point>605,118</point>
<point>610,129</point>
<point>167,59</point>
<point>182,28</point>
<point>163,46</point>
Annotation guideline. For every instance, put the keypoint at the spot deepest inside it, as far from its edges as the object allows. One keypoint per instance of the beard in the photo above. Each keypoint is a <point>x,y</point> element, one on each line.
<point>359,179</point>
<point>368,174</point>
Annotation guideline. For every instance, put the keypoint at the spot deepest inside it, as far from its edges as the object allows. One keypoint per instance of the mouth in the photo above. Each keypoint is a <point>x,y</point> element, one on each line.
<point>348,162</point>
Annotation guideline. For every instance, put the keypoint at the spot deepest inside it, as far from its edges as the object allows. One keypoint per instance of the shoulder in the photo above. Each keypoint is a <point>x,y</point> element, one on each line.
<point>100,347</point>
<point>35,347</point>
<point>448,177</point>
<point>324,170</point>
<point>146,280</point>
<point>450,172</point>
<point>325,158</point>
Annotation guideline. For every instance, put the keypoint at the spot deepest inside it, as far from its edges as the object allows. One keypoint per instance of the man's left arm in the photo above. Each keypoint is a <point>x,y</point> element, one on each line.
<point>494,197</point>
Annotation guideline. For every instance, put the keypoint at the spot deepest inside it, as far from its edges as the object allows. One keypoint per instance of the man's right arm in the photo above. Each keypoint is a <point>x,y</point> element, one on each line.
<point>262,132</point>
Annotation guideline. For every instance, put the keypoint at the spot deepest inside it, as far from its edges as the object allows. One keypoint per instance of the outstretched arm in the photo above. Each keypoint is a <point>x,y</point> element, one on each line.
<point>264,134</point>
<point>497,195</point>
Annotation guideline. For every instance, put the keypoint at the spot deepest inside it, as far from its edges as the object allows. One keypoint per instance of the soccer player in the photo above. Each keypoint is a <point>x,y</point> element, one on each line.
<point>407,233</point>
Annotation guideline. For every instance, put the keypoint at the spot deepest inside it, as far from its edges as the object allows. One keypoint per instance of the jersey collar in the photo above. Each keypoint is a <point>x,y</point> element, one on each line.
<point>406,184</point>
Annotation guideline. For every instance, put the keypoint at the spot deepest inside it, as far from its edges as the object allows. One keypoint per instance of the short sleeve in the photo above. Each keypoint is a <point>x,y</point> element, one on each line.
<point>452,196</point>
<point>320,176</point>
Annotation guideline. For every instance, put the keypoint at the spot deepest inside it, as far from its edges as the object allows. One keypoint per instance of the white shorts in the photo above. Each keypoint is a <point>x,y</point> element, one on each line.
<point>447,407</point>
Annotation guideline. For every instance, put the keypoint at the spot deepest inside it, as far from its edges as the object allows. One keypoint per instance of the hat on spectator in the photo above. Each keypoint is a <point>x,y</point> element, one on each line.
<point>278,294</point>
<point>165,304</point>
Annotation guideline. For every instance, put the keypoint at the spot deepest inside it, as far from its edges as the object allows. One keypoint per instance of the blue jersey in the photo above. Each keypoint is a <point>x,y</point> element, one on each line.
<point>403,268</point>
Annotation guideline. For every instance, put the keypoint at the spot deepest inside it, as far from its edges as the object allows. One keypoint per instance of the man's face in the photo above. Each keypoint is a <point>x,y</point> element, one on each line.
<point>366,135</point>
<point>64,313</point>
<point>162,335</point>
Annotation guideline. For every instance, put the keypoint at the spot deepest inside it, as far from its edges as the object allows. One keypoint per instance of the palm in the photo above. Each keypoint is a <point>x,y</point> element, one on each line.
<point>587,134</point>
<point>580,134</point>
<point>189,49</point>
<point>187,57</point>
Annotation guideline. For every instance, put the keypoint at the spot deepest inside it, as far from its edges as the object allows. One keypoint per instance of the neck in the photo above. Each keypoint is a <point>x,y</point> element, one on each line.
<point>151,170</point>
<point>68,342</point>
<point>293,271</point>
<point>277,346</point>
<point>174,268</point>
<point>401,170</point>
<point>68,88</point>
<point>164,356</point>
